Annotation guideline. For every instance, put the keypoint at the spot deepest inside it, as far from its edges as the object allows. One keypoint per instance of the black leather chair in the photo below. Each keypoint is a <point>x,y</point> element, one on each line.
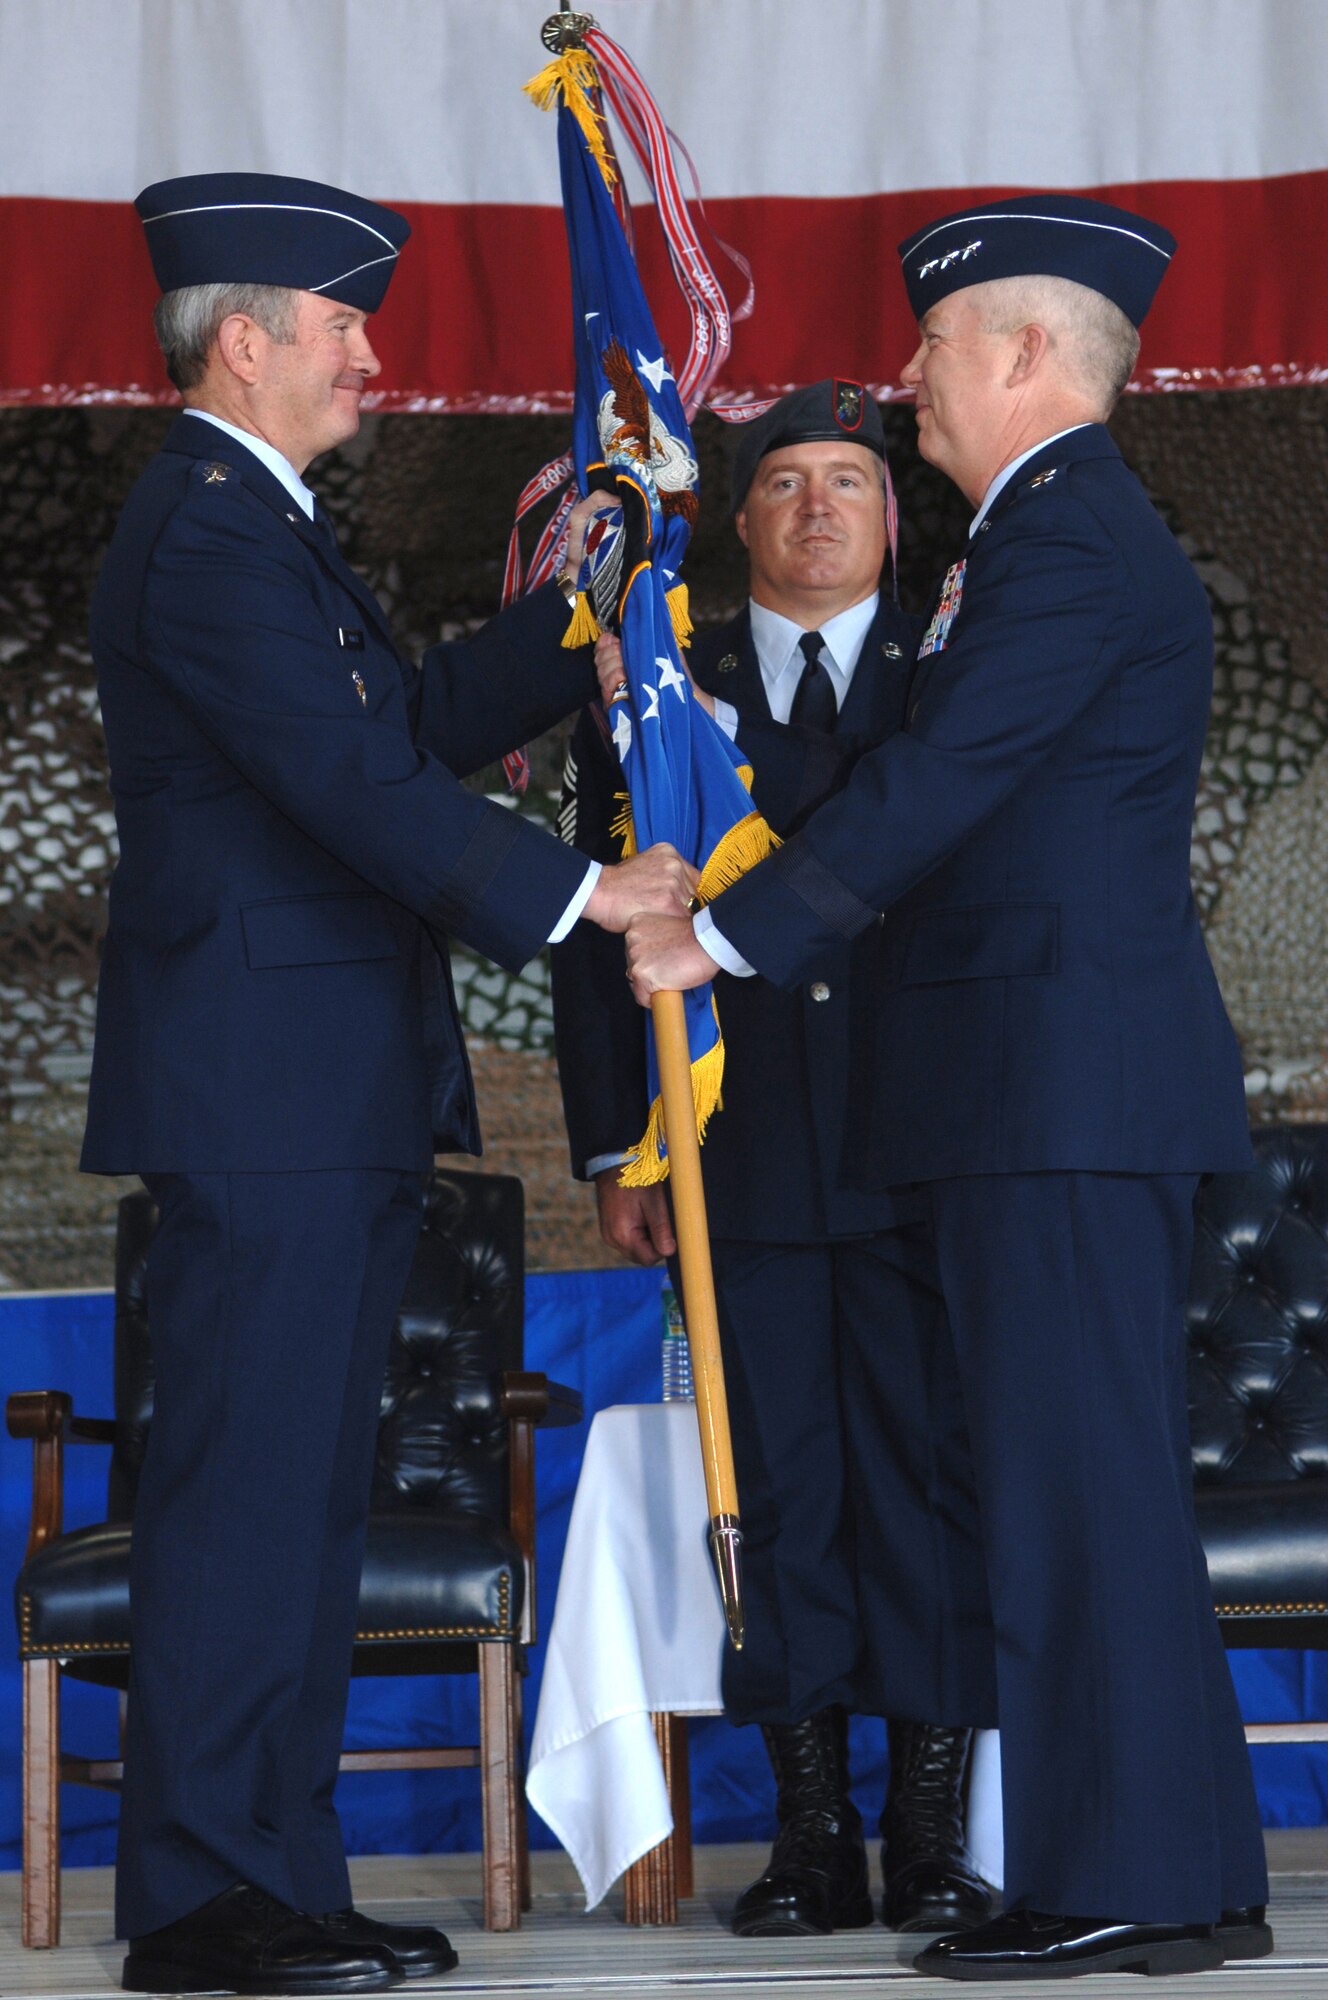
<point>1258,1383</point>
<point>448,1584</point>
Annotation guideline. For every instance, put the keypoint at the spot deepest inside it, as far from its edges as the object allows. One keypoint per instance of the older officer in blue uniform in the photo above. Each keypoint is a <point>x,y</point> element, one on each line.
<point>1048,1059</point>
<point>838,1429</point>
<point>279,1054</point>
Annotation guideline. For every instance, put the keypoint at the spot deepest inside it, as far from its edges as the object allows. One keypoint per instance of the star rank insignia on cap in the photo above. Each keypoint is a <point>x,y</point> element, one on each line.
<point>848,404</point>
<point>216,473</point>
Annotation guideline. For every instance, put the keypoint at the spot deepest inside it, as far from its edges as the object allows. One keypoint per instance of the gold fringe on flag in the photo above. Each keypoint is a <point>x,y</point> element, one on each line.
<point>621,827</point>
<point>741,848</point>
<point>651,1164</point>
<point>584,628</point>
<point>573,76</point>
<point>680,615</point>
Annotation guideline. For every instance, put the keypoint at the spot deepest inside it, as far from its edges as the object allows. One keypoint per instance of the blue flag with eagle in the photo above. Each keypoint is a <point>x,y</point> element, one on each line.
<point>686,782</point>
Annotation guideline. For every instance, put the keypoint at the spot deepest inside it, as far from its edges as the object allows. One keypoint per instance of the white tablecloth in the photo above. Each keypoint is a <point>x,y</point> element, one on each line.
<point>638,1627</point>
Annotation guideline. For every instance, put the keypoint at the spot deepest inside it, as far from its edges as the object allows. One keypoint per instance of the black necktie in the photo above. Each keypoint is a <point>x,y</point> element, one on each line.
<point>814,704</point>
<point>323,523</point>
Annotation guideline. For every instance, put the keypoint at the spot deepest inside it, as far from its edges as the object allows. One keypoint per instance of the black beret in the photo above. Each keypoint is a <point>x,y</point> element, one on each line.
<point>835,408</point>
<point>266,229</point>
<point>1108,249</point>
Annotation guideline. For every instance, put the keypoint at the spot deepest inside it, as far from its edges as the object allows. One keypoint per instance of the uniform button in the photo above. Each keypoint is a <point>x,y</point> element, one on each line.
<point>819,990</point>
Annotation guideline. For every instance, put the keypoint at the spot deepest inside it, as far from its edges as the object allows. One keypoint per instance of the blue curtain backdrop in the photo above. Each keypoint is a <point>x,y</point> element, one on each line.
<point>600,1332</point>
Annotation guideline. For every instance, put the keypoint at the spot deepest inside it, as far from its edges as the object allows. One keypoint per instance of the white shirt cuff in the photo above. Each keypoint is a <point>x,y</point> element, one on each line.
<point>603,1161</point>
<point>712,939</point>
<point>577,904</point>
<point>726,715</point>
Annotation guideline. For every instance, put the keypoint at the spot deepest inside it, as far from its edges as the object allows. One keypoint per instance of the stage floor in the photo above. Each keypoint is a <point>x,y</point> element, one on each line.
<point>562,1952</point>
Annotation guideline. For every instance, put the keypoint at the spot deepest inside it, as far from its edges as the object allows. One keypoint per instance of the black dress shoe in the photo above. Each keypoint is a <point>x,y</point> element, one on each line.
<point>421,1951</point>
<point>1244,1933</point>
<point>929,1885</point>
<point>244,1941</point>
<point>1026,1945</point>
<point>817,1878</point>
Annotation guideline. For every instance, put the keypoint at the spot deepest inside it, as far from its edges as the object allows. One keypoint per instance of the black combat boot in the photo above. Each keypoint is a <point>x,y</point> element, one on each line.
<point>817,1878</point>
<point>928,1883</point>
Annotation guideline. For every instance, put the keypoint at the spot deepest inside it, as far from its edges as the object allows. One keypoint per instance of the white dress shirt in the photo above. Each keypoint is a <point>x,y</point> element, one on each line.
<point>781,661</point>
<point>281,468</point>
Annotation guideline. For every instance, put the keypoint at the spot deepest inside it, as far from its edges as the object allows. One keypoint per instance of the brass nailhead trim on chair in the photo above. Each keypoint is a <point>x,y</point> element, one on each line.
<point>1267,1610</point>
<point>54,1649</point>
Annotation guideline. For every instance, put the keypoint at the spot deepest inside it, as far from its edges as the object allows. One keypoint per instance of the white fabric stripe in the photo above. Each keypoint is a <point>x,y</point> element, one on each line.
<point>1026,215</point>
<point>423,104</point>
<point>328,283</point>
<point>278,208</point>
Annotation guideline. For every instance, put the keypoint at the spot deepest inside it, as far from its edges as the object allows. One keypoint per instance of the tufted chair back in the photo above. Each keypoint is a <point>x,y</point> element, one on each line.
<point>1257,1327</point>
<point>443,1439</point>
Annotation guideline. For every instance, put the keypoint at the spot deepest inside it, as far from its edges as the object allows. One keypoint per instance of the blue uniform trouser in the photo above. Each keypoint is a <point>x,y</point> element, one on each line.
<point>1127,1783</point>
<point>862,1570</point>
<point>271,1300</point>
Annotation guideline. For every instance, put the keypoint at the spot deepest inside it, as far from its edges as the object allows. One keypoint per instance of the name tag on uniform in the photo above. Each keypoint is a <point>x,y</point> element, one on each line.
<point>351,638</point>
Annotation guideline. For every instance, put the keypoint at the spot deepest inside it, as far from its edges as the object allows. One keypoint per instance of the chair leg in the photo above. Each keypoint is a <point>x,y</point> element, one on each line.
<point>522,1823</point>
<point>499,1780</point>
<point>41,1803</point>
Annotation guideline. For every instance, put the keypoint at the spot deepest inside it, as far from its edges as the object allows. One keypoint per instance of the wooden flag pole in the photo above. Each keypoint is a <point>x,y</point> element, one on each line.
<point>698,1301</point>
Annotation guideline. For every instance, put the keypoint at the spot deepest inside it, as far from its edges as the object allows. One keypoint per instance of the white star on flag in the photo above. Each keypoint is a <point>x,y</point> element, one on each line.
<point>669,677</point>
<point>622,732</point>
<point>655,372</point>
<point>652,713</point>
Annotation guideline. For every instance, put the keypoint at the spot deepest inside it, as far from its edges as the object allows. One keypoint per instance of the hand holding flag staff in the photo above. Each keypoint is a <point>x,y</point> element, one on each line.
<point>686,782</point>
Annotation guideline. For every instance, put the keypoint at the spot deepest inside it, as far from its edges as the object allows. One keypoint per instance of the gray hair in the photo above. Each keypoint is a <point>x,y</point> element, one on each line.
<point>187,322</point>
<point>1096,344</point>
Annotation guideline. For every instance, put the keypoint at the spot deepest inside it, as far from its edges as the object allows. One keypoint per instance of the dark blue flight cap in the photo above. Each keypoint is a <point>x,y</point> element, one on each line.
<point>1039,235</point>
<point>266,229</point>
<point>835,408</point>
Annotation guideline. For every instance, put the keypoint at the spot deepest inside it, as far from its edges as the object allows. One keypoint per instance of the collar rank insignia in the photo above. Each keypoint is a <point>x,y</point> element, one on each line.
<point>216,474</point>
<point>937,635</point>
<point>1043,478</point>
<point>848,405</point>
<point>358,679</point>
<point>728,664</point>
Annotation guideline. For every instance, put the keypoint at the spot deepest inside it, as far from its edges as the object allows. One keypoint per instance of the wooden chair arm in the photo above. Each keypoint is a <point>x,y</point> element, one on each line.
<point>38,1414</point>
<point>47,1417</point>
<point>528,1400</point>
<point>534,1399</point>
<point>44,1416</point>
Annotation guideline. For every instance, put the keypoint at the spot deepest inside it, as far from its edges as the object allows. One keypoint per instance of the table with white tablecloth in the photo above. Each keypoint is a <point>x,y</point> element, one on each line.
<point>638,1631</point>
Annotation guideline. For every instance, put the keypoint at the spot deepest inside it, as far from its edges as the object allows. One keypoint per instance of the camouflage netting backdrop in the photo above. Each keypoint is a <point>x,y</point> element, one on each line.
<point>423,506</point>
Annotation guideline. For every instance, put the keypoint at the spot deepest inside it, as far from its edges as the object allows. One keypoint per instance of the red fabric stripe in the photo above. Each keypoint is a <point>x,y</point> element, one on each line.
<point>478,311</point>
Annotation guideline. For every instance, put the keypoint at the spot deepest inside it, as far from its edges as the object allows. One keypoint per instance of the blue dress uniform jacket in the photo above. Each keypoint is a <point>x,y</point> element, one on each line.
<point>1020,850</point>
<point>295,843</point>
<point>278,1053</point>
<point>773,1156</point>
<point>1046,1055</point>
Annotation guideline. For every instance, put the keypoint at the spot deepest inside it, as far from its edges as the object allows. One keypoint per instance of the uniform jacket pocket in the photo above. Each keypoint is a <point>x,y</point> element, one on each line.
<point>982,941</point>
<point>316,930</point>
